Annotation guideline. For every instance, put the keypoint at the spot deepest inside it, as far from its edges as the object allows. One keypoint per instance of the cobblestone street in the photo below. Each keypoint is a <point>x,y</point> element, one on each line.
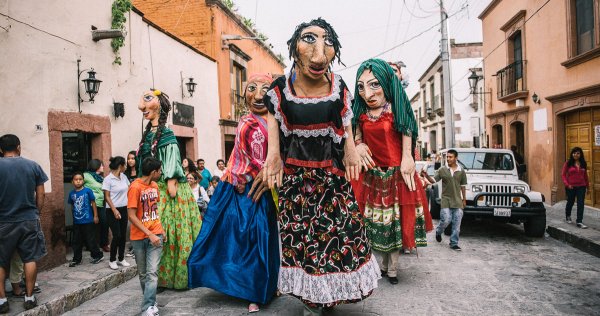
<point>499,272</point>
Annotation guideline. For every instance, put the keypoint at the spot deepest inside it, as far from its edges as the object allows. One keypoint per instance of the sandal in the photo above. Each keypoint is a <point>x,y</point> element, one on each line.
<point>253,308</point>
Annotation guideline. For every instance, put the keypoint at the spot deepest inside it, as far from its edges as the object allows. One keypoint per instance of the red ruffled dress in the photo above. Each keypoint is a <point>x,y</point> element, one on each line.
<point>395,217</point>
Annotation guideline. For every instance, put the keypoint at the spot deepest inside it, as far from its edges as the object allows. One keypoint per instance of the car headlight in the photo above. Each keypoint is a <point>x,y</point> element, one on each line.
<point>519,189</point>
<point>477,188</point>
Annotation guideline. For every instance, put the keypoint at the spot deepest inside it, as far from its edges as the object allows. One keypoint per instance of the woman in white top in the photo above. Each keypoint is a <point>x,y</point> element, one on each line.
<point>115,187</point>
<point>198,191</point>
<point>220,169</point>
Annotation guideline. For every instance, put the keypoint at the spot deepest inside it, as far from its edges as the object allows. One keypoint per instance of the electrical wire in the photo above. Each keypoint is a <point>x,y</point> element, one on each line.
<point>406,41</point>
<point>38,29</point>
<point>414,15</point>
<point>428,11</point>
<point>497,46</point>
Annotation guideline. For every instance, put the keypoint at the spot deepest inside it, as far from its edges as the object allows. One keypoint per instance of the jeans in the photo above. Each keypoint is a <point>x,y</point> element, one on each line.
<point>579,193</point>
<point>447,216</point>
<point>147,258</point>
<point>102,227</point>
<point>85,234</point>
<point>119,232</point>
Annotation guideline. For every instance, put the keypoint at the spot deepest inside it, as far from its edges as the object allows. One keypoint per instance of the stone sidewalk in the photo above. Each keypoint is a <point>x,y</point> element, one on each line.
<point>65,288</point>
<point>587,240</point>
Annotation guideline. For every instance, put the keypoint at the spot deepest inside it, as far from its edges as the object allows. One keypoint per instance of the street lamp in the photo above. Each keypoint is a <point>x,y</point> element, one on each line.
<point>191,86</point>
<point>91,83</point>
<point>473,80</point>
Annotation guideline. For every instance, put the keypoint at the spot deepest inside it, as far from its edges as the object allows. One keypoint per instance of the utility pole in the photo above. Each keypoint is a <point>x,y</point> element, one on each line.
<point>445,56</point>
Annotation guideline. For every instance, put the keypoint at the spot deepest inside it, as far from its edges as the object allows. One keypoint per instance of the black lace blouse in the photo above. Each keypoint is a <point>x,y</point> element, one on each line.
<point>311,129</point>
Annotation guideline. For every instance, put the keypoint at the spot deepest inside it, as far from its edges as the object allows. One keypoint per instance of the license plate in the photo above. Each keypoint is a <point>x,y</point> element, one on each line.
<point>499,211</point>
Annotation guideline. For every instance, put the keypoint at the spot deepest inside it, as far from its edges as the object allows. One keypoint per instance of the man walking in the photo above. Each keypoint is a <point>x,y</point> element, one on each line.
<point>454,180</point>
<point>21,198</point>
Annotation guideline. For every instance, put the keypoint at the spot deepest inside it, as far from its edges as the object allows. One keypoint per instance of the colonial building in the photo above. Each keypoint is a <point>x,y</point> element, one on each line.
<point>464,57</point>
<point>545,87</point>
<point>45,56</point>
<point>415,104</point>
<point>211,27</point>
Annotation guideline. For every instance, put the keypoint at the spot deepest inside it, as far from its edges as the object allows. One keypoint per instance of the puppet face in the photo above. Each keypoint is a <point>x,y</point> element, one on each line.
<point>314,52</point>
<point>150,106</point>
<point>370,90</point>
<point>255,91</point>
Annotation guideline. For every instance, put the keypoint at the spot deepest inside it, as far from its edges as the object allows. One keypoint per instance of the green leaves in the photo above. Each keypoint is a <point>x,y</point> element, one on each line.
<point>119,9</point>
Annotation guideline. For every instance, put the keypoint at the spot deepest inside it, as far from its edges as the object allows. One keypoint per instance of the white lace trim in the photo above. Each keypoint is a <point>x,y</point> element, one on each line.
<point>332,287</point>
<point>335,94</point>
<point>347,119</point>
<point>329,131</point>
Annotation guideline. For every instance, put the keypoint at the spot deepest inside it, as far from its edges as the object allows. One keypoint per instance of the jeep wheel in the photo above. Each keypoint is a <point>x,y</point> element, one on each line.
<point>434,207</point>
<point>535,226</point>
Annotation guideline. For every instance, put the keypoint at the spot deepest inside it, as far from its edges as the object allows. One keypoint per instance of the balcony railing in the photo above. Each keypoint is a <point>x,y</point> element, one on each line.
<point>511,80</point>
<point>238,105</point>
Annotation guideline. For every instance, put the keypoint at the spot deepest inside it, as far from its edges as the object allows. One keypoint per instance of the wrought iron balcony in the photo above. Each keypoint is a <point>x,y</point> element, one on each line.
<point>511,81</point>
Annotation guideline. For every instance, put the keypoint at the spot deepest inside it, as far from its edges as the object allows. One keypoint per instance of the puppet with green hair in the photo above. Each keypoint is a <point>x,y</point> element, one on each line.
<point>391,194</point>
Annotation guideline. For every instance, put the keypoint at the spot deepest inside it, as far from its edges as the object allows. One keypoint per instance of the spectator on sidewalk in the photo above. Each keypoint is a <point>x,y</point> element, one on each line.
<point>85,216</point>
<point>206,176</point>
<point>220,168</point>
<point>575,178</point>
<point>22,186</point>
<point>131,170</point>
<point>147,234</point>
<point>213,185</point>
<point>115,188</point>
<point>92,179</point>
<point>454,181</point>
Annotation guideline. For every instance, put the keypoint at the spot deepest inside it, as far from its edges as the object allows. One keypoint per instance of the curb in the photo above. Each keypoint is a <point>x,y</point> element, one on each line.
<point>71,300</point>
<point>581,243</point>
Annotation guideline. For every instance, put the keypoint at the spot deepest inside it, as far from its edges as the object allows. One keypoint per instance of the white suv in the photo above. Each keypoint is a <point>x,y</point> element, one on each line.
<point>495,191</point>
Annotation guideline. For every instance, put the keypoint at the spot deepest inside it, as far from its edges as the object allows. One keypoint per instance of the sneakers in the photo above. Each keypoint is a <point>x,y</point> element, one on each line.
<point>96,260</point>
<point>253,308</point>
<point>30,304</point>
<point>581,225</point>
<point>438,237</point>
<point>124,263</point>
<point>393,280</point>
<point>455,247</point>
<point>4,308</point>
<point>151,311</point>
<point>113,265</point>
<point>74,263</point>
<point>130,253</point>
<point>383,274</point>
<point>569,220</point>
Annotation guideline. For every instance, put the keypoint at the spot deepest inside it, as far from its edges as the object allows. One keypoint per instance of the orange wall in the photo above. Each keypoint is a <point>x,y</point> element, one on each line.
<point>201,26</point>
<point>544,48</point>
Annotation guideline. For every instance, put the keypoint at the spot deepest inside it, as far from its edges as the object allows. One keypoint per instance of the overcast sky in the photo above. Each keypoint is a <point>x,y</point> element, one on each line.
<point>369,28</point>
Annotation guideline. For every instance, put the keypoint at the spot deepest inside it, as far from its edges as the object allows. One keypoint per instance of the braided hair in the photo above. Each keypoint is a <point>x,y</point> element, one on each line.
<point>165,108</point>
<point>293,42</point>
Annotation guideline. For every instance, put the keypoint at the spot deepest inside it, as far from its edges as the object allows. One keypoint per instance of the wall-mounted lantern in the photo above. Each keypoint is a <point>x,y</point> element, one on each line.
<point>119,109</point>
<point>91,84</point>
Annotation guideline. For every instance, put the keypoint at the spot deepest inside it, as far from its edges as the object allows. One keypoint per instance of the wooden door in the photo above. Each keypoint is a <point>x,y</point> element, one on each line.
<point>580,135</point>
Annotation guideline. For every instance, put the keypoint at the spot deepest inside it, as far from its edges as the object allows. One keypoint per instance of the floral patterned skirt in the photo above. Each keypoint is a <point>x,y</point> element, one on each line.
<point>326,258</point>
<point>181,221</point>
<point>395,217</point>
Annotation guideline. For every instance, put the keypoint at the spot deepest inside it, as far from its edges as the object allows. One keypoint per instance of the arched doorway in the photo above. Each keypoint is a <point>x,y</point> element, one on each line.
<point>497,136</point>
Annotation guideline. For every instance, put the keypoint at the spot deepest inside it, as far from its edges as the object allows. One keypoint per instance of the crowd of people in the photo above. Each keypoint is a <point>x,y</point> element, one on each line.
<point>317,182</point>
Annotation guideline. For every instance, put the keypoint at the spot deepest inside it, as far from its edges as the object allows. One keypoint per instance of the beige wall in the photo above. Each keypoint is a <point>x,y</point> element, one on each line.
<point>544,48</point>
<point>38,86</point>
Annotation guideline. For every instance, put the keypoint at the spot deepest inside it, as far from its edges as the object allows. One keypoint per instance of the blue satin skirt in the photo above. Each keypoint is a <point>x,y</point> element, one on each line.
<point>237,250</point>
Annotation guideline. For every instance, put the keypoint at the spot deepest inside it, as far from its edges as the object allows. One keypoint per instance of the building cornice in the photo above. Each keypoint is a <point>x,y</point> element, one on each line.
<point>570,95</point>
<point>243,26</point>
<point>488,9</point>
<point>433,64</point>
<point>515,110</point>
<point>520,15</point>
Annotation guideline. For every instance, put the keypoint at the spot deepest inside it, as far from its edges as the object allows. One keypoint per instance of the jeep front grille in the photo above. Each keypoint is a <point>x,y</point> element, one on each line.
<point>498,200</point>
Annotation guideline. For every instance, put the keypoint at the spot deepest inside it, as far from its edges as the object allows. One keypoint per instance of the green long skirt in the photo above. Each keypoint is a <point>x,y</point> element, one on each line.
<point>181,221</point>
